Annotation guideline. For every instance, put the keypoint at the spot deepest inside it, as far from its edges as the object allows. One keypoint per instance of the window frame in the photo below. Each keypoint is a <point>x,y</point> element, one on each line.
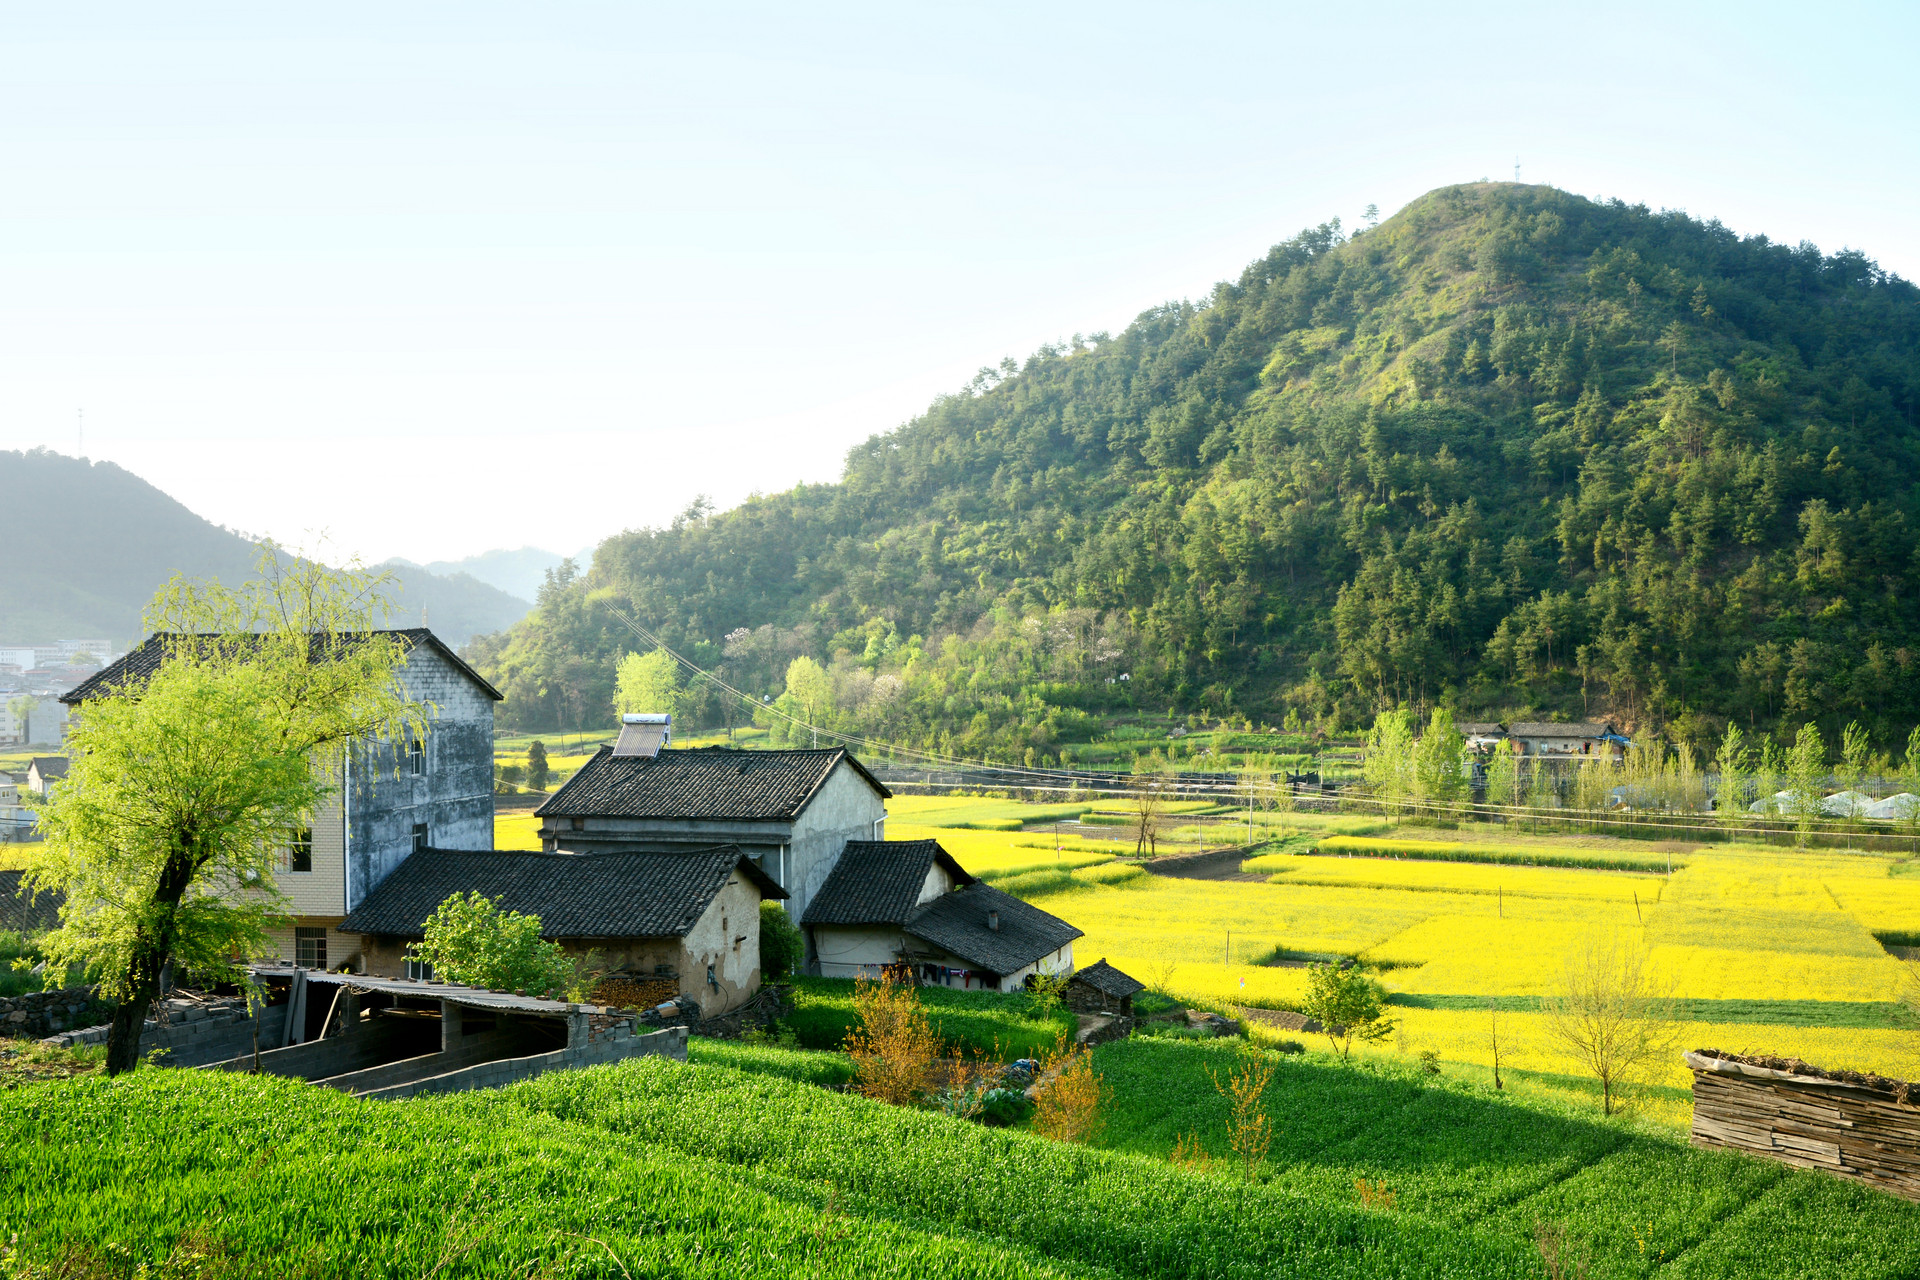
<point>306,957</point>
<point>300,850</point>
<point>417,758</point>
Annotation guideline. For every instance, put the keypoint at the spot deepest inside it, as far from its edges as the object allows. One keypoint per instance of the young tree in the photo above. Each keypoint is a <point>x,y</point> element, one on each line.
<point>1388,766</point>
<point>1147,800</point>
<point>1067,1101</point>
<point>1438,776</point>
<point>809,696</point>
<point>472,941</point>
<point>1806,770</point>
<point>1503,775</point>
<point>1347,1004</point>
<point>1611,1015</point>
<point>1855,747</point>
<point>648,684</point>
<point>1733,774</point>
<point>1249,1128</point>
<point>163,841</point>
<point>539,772</point>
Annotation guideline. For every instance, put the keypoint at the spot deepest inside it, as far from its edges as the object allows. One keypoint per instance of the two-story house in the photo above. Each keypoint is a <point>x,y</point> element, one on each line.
<point>397,797</point>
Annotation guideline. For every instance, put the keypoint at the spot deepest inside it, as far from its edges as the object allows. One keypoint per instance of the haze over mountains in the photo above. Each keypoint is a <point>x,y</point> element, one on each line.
<point>92,541</point>
<point>1511,449</point>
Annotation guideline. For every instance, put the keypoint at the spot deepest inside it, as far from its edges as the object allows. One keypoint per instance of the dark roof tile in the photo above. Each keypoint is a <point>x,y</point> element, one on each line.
<point>596,895</point>
<point>1107,980</point>
<point>957,923</point>
<point>878,882</point>
<point>139,666</point>
<point>20,915</point>
<point>703,782</point>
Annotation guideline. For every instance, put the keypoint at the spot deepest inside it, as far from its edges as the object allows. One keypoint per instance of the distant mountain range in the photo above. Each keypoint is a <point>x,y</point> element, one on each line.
<point>88,543</point>
<point>518,573</point>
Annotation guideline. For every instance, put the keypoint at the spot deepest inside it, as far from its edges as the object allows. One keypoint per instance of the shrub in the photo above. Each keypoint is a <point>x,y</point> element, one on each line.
<point>1249,1130</point>
<point>781,943</point>
<point>894,1049</point>
<point>470,940</point>
<point>1348,1004</point>
<point>1067,1105</point>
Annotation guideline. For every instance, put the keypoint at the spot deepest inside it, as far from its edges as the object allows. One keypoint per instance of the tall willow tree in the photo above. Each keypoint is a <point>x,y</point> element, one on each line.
<point>185,783</point>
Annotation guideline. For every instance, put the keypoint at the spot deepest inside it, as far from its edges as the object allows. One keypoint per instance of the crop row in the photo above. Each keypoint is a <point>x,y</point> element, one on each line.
<point>1503,854</point>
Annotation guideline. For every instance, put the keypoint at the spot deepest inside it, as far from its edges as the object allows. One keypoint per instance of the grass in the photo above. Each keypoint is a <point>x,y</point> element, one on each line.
<point>1523,855</point>
<point>987,1022</point>
<point>736,1165</point>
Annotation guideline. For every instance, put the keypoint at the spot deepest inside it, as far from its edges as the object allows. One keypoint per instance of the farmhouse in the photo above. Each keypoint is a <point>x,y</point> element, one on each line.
<point>397,797</point>
<point>907,902</point>
<point>688,917</point>
<point>44,771</point>
<point>791,812</point>
<point>1589,740</point>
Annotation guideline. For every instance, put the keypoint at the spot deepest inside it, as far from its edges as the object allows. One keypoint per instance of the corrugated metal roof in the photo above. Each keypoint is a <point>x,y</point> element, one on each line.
<point>704,782</point>
<point>420,989</point>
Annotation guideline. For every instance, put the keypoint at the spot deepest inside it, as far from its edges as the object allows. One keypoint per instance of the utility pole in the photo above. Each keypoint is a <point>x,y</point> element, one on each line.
<point>1516,168</point>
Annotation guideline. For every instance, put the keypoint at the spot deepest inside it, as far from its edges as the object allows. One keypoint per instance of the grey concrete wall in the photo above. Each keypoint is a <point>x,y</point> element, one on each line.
<point>845,808</point>
<point>368,1045</point>
<point>454,798</point>
<point>733,914</point>
<point>671,1043</point>
<point>508,1040</point>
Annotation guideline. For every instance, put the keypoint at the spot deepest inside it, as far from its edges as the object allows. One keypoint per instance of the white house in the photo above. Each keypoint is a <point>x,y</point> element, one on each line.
<point>907,902</point>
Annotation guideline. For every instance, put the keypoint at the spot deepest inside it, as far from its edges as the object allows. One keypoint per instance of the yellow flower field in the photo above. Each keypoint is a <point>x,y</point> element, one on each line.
<point>992,853</point>
<point>516,831</point>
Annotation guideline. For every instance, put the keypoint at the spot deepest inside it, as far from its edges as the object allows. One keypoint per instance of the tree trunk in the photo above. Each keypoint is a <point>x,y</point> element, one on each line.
<point>123,1036</point>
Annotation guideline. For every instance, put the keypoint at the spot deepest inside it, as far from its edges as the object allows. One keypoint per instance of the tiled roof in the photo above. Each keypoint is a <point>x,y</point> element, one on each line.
<point>1558,729</point>
<point>1106,979</point>
<point>596,895</point>
<point>957,923</point>
<point>139,666</point>
<point>49,766</point>
<point>21,916</point>
<point>704,782</point>
<point>1482,729</point>
<point>879,882</point>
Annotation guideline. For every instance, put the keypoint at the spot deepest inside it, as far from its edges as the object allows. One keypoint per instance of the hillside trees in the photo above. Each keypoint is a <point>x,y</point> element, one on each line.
<point>1509,449</point>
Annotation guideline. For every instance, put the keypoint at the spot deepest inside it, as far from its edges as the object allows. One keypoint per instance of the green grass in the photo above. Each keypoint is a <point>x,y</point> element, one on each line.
<point>807,1066</point>
<point>988,1022</point>
<point>1499,854</point>
<point>1777,1013</point>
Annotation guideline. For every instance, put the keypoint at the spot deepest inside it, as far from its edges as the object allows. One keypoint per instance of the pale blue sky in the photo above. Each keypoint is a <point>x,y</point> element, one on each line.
<point>443,277</point>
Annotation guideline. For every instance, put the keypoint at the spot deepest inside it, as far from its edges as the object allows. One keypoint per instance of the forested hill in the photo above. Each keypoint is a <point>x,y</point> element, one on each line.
<point>1511,449</point>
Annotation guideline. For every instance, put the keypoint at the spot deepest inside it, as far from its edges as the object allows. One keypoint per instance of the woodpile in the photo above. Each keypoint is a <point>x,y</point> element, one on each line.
<point>1858,1126</point>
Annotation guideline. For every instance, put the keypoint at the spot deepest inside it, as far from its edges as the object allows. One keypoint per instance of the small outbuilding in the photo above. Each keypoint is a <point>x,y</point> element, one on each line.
<point>894,902</point>
<point>1101,988</point>
<point>689,917</point>
<point>44,771</point>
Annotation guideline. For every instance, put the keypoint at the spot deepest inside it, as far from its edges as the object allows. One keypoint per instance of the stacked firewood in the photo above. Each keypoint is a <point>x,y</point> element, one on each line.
<point>1856,1125</point>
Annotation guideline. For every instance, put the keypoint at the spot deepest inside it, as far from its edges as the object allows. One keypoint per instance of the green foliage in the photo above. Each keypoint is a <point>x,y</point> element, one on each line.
<point>1439,760</point>
<point>986,1022</point>
<point>165,838</point>
<point>648,683</point>
<point>1510,448</point>
<point>829,1070</point>
<point>1348,1004</point>
<point>470,940</point>
<point>782,945</point>
<point>539,772</point>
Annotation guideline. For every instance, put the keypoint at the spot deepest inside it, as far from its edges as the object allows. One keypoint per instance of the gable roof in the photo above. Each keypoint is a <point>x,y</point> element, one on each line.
<point>20,915</point>
<point>957,923</point>
<point>1107,980</point>
<point>879,882</point>
<point>576,895</point>
<point>702,782</point>
<point>138,667</point>
<point>49,766</point>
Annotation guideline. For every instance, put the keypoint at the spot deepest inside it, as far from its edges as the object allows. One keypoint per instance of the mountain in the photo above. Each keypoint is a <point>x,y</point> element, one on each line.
<point>89,542</point>
<point>1513,450</point>
<point>518,573</point>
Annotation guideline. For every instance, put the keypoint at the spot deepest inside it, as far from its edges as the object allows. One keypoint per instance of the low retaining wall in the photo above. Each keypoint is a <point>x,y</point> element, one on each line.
<point>1857,1126</point>
<point>195,1031</point>
<point>613,1047</point>
<point>38,1014</point>
<point>1206,865</point>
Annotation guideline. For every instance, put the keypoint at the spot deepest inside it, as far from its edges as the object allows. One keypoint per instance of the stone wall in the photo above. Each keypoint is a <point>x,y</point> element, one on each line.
<point>194,1030</point>
<point>1858,1126</point>
<point>38,1014</point>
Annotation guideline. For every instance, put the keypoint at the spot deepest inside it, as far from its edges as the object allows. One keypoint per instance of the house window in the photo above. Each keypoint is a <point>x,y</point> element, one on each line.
<point>300,850</point>
<point>419,836</point>
<point>419,970</point>
<point>310,948</point>
<point>417,758</point>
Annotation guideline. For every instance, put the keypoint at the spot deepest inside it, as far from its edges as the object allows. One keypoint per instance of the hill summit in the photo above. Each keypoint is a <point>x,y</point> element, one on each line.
<point>1514,450</point>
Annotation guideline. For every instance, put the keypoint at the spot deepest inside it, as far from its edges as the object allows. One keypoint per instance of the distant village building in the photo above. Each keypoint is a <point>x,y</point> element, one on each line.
<point>434,792</point>
<point>44,771</point>
<point>1585,740</point>
<point>907,902</point>
<point>689,917</point>
<point>1101,988</point>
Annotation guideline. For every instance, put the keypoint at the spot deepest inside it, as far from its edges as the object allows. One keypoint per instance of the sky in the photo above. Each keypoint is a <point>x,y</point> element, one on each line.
<point>429,279</point>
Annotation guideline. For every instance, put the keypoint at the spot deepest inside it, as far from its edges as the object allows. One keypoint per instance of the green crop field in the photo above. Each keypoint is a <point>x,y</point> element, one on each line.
<point>751,1169</point>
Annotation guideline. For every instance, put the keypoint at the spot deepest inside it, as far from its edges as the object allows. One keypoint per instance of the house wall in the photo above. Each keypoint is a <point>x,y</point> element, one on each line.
<point>454,798</point>
<point>727,937</point>
<point>1056,964</point>
<point>845,808</point>
<point>342,948</point>
<point>855,952</point>
<point>323,890</point>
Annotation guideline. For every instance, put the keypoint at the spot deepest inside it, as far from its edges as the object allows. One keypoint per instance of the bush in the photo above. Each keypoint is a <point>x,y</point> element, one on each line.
<point>470,940</point>
<point>979,1022</point>
<point>781,943</point>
